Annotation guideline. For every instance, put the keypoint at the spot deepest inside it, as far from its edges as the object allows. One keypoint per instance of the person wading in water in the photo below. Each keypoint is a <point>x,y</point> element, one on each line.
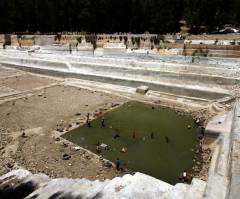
<point>152,135</point>
<point>116,134</point>
<point>134,135</point>
<point>88,122</point>
<point>103,122</point>
<point>118,164</point>
<point>167,139</point>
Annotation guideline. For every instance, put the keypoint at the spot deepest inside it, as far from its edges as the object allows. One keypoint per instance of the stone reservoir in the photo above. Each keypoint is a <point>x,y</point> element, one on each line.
<point>145,97</point>
<point>157,141</point>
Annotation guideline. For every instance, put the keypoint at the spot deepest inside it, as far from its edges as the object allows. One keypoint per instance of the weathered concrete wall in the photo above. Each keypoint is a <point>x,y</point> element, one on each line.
<point>217,186</point>
<point>234,176</point>
<point>224,173</point>
<point>177,79</point>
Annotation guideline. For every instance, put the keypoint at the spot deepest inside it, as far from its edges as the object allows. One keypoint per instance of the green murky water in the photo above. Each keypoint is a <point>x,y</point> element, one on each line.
<point>155,157</point>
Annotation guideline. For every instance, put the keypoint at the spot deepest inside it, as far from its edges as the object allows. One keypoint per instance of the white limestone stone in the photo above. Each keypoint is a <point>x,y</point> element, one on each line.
<point>139,186</point>
<point>20,173</point>
<point>142,89</point>
<point>179,191</point>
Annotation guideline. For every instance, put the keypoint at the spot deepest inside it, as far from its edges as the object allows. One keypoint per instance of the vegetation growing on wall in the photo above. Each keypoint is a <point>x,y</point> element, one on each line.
<point>79,40</point>
<point>92,38</point>
<point>138,41</point>
<point>7,40</point>
<point>58,37</point>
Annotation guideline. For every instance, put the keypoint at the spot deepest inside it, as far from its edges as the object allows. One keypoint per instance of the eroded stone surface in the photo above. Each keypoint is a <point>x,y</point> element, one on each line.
<point>137,186</point>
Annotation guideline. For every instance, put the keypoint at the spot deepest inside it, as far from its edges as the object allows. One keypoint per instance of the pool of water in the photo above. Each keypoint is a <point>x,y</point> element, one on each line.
<point>134,122</point>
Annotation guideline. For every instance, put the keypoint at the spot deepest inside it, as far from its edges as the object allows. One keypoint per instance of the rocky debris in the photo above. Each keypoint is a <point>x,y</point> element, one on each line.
<point>10,165</point>
<point>61,124</point>
<point>44,149</point>
<point>114,105</point>
<point>180,113</point>
<point>96,113</point>
<point>197,121</point>
<point>65,145</point>
<point>60,130</point>
<point>77,148</point>
<point>107,164</point>
<point>202,163</point>
<point>23,135</point>
<point>88,156</point>
<point>66,156</point>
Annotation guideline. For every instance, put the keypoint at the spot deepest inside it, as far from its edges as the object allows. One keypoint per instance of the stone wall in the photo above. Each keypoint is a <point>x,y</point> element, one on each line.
<point>224,173</point>
<point>23,184</point>
<point>199,47</point>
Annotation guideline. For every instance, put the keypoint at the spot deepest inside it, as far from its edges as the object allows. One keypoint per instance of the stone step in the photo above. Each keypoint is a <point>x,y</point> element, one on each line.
<point>164,99</point>
<point>204,92</point>
<point>170,72</point>
<point>23,184</point>
<point>174,62</point>
<point>52,52</point>
<point>161,74</point>
<point>194,85</point>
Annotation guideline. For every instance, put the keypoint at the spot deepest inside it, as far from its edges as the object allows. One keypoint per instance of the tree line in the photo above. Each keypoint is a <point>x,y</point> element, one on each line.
<point>110,16</point>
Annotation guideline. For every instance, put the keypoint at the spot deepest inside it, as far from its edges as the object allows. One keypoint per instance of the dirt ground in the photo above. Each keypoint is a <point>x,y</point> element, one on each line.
<point>43,117</point>
<point>25,82</point>
<point>36,110</point>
